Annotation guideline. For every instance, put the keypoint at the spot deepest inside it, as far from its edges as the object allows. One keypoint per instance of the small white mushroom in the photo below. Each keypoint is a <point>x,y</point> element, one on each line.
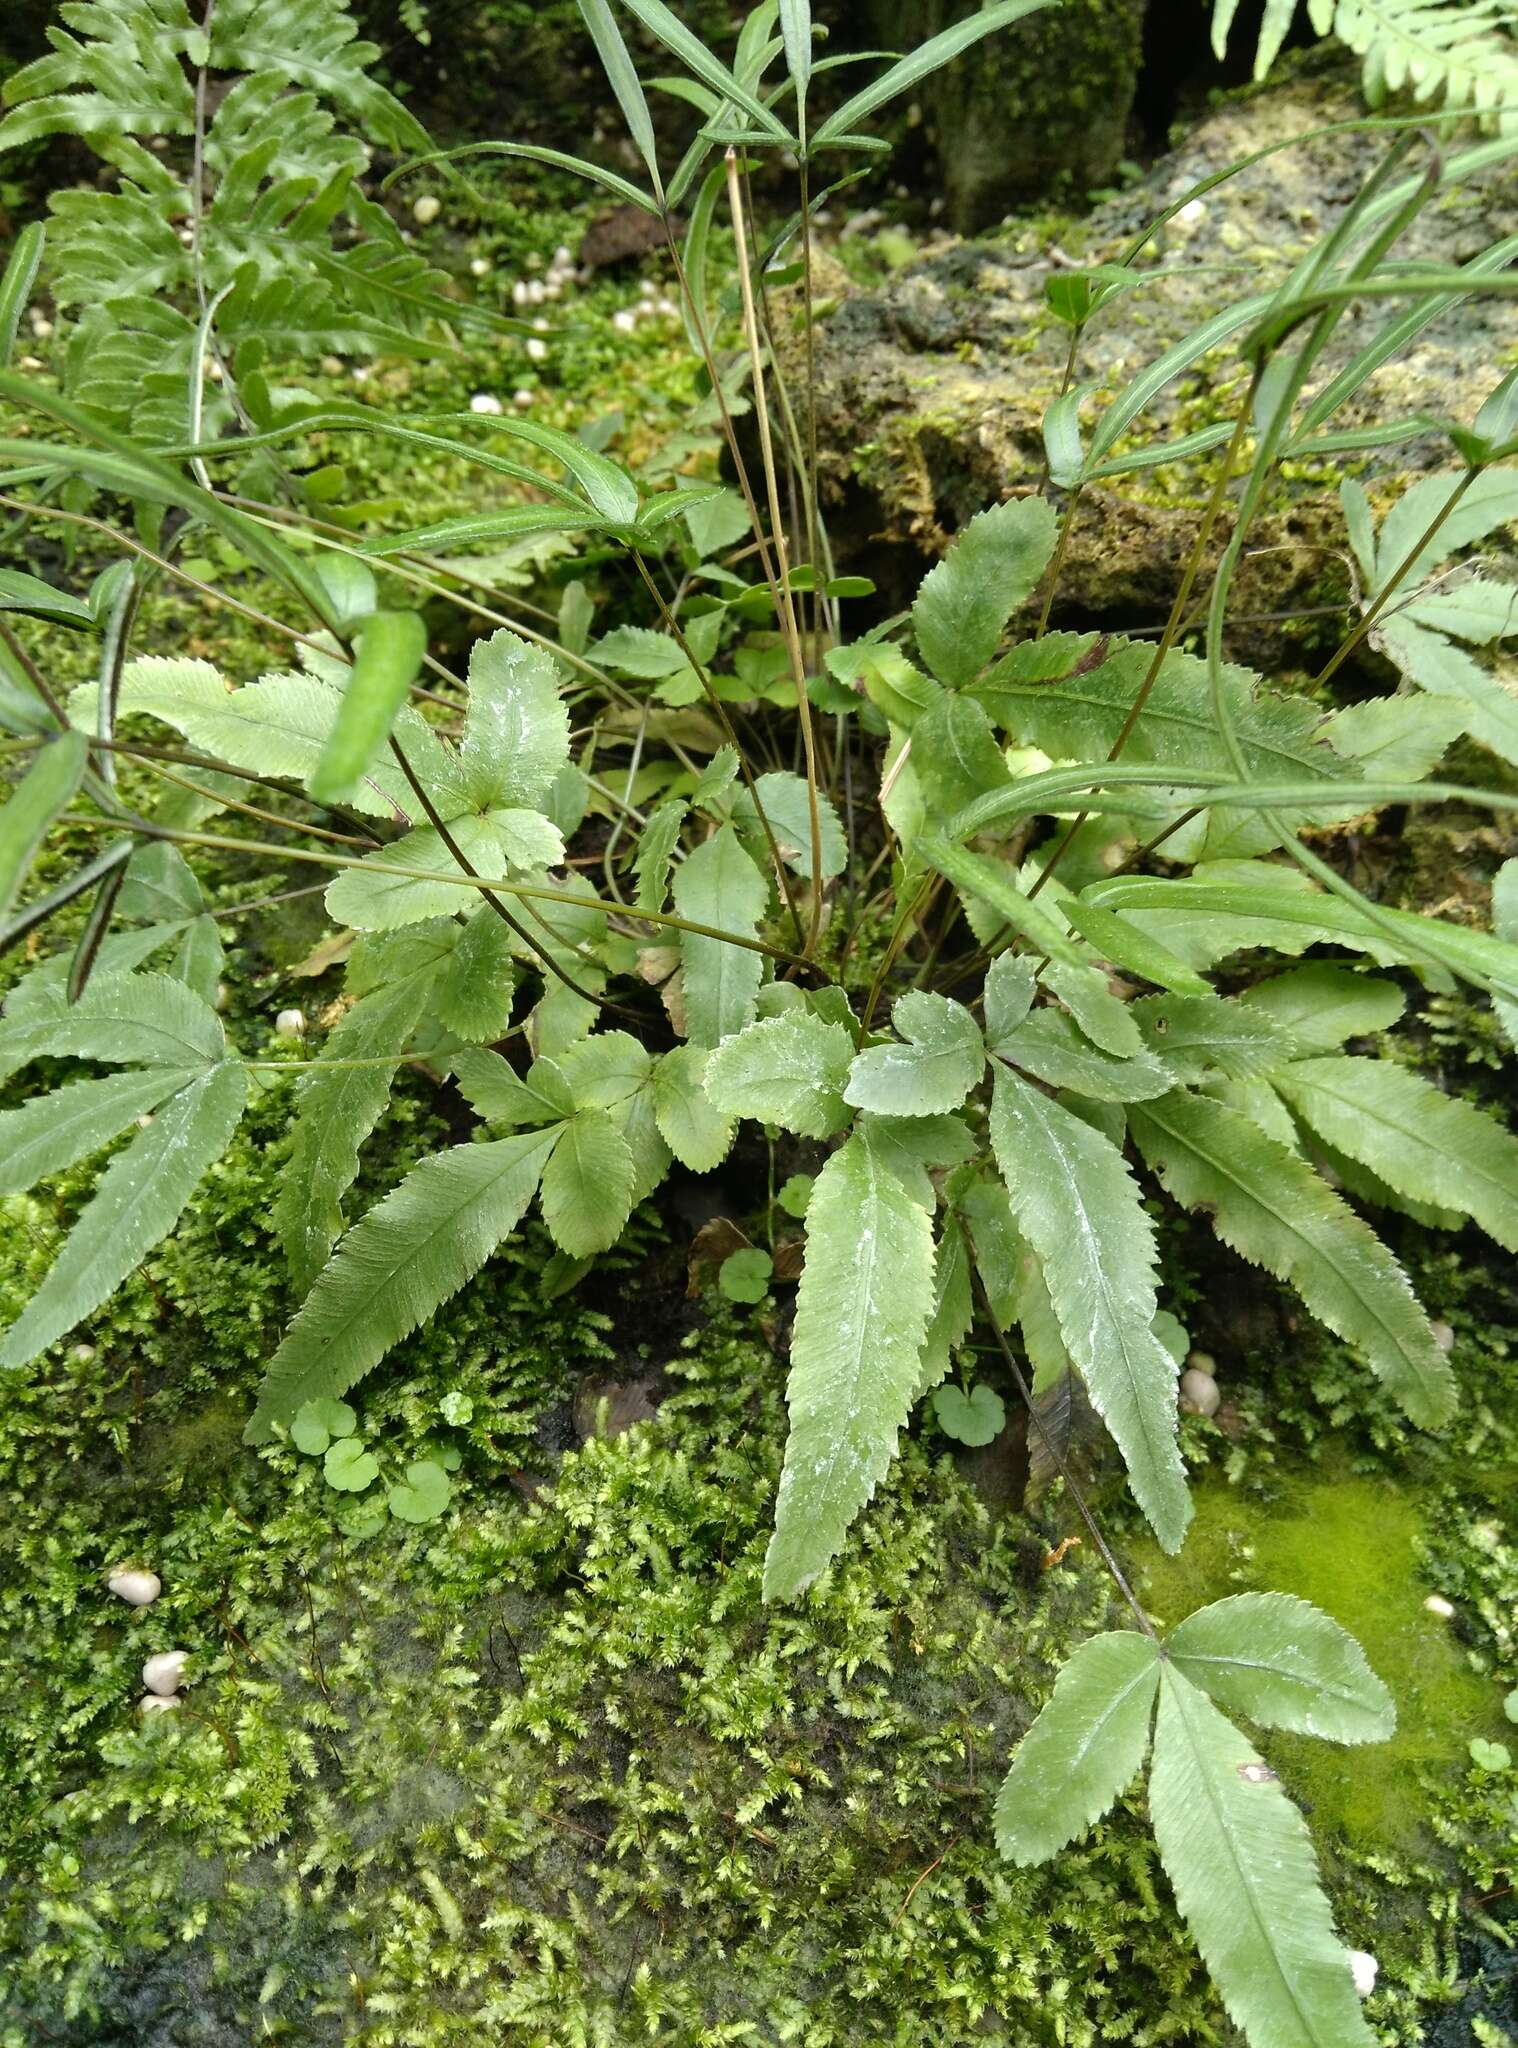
<point>1199,1392</point>
<point>424,211</point>
<point>1364,1968</point>
<point>290,1024</point>
<point>42,327</point>
<point>479,267</point>
<point>223,995</point>
<point>138,1589</point>
<point>519,293</point>
<point>537,351</point>
<point>625,322</point>
<point>563,256</point>
<point>1443,1335</point>
<point>1203,1362</point>
<point>83,1353</point>
<point>485,401</point>
<point>522,397</point>
<point>1437,1604</point>
<point>158,1703</point>
<point>164,1674</point>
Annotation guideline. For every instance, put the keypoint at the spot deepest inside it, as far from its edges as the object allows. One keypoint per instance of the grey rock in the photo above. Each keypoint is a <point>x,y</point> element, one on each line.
<point>932,387</point>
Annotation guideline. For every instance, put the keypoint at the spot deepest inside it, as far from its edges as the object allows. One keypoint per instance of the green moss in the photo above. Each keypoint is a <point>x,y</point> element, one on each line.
<point>1351,1545</point>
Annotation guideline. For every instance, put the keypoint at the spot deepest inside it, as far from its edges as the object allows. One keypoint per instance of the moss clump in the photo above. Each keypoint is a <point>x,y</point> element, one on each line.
<point>545,1771</point>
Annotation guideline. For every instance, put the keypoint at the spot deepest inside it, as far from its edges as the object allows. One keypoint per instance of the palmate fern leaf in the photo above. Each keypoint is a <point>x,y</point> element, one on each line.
<point>313,43</point>
<point>1454,51</point>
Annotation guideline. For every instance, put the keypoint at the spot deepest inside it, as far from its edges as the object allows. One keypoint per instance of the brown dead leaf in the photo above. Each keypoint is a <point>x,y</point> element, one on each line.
<point>712,1243</point>
<point>657,963</point>
<point>607,1408</point>
<point>789,1256</point>
<point>326,953</point>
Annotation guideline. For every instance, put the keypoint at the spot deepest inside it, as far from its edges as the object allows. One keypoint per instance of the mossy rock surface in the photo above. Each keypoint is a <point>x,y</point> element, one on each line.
<point>1039,109</point>
<point>933,387</point>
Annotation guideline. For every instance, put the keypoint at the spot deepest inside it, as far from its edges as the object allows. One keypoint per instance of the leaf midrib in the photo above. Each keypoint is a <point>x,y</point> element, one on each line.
<point>1252,1194</point>
<point>1312,756</point>
<point>1414,1136</point>
<point>1200,1775</point>
<point>1090,1236</point>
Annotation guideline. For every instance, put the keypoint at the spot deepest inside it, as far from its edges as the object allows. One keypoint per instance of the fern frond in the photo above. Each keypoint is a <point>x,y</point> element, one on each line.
<point>1456,52</point>
<point>271,245</point>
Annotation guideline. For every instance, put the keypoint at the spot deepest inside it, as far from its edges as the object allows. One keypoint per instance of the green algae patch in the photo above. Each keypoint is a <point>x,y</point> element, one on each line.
<point>1352,1545</point>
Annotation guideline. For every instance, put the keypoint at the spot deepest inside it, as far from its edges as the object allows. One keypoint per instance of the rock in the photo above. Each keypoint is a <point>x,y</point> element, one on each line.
<point>608,1408</point>
<point>1364,1968</point>
<point>932,386</point>
<point>1034,108</point>
<point>620,234</point>
<point>164,1673</point>
<point>1199,1393</point>
<point>138,1589</point>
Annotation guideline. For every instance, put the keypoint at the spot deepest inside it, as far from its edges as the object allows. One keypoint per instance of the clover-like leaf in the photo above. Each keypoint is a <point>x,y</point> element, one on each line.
<point>349,1467</point>
<point>424,1493</point>
<point>745,1275</point>
<point>317,1422</point>
<point>975,1418</point>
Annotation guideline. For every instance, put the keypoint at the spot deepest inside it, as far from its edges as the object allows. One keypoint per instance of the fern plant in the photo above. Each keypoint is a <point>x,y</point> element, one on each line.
<point>236,237</point>
<point>1458,54</point>
<point>989,1000</point>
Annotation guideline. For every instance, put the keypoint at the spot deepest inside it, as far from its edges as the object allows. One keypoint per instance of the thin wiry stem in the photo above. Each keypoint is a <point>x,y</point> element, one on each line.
<point>1393,583</point>
<point>514,924</point>
<point>787,600</point>
<point>744,769</point>
<point>528,892</point>
<point>1056,1456</point>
